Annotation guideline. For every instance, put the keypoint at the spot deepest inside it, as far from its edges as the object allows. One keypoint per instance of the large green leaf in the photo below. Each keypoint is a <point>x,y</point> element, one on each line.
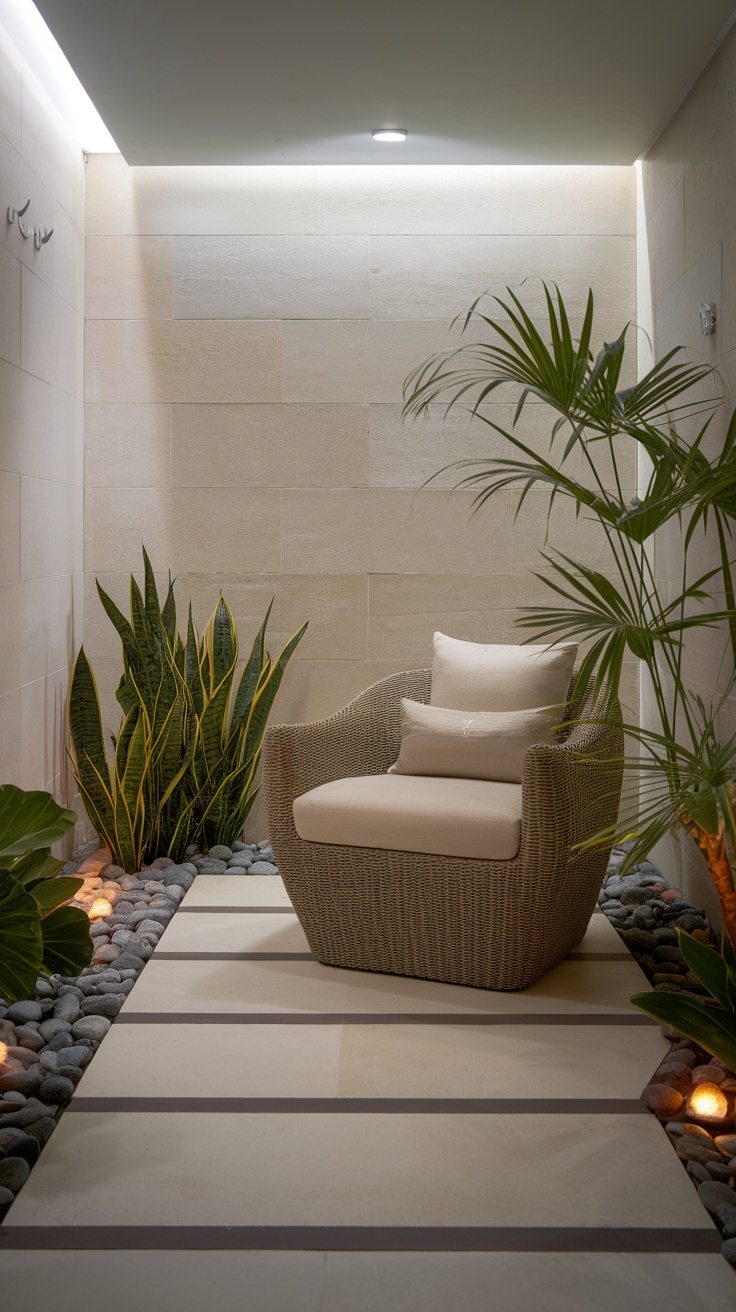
<point>20,940</point>
<point>52,893</point>
<point>711,1027</point>
<point>30,820</point>
<point>34,867</point>
<point>67,944</point>
<point>707,965</point>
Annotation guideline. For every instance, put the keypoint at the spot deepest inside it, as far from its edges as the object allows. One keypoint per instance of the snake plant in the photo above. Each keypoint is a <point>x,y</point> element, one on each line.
<point>185,760</point>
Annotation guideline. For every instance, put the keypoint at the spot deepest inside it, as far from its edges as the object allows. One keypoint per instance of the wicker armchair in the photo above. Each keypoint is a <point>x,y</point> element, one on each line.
<point>493,924</point>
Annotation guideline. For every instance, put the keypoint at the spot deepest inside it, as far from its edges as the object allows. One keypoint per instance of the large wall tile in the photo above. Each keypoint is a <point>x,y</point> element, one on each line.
<point>271,278</point>
<point>10,90</point>
<point>349,360</point>
<point>726,310</point>
<point>129,278</point>
<point>161,361</point>
<point>677,312</point>
<point>48,511</point>
<point>312,690</point>
<point>9,528</point>
<point>270,445</point>
<point>331,200</point>
<point>181,531</point>
<point>406,609</point>
<point>26,635</point>
<point>348,532</point>
<point>405,453</point>
<point>436,277</point>
<point>40,428</point>
<point>127,445</point>
<point>572,200</point>
<point>10,273</point>
<point>49,149</point>
<point>51,336</point>
<point>666,241</point>
<point>580,538</point>
<point>711,174</point>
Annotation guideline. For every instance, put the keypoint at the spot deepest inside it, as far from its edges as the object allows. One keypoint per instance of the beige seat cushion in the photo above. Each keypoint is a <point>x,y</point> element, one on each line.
<point>409,813</point>
<point>471,744</point>
<point>477,676</point>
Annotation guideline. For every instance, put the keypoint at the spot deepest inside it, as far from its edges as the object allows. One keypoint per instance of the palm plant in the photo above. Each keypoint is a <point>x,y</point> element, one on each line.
<point>621,612</point>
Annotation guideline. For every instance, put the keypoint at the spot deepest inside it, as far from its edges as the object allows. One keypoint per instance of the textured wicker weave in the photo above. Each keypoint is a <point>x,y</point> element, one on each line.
<point>494,924</point>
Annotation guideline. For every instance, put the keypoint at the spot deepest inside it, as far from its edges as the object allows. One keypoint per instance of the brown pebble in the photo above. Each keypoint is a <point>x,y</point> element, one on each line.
<point>708,1075</point>
<point>662,1100</point>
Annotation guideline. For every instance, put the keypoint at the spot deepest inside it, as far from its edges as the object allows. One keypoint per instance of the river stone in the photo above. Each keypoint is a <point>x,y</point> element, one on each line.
<point>158,915</point>
<point>26,1082</point>
<point>107,1004</point>
<point>179,876</point>
<point>639,940</point>
<point>699,1173</point>
<point>25,1146</point>
<point>67,1008</point>
<point>219,853</point>
<point>131,960</point>
<point>77,1056</point>
<point>7,1031</point>
<point>24,1055</point>
<point>57,1087</point>
<point>689,1150</point>
<point>714,1195</point>
<point>675,1077</point>
<point>23,1011</point>
<point>14,1171</point>
<point>263,868</point>
<point>48,1061</point>
<point>60,1041</point>
<point>708,1075</point>
<point>726,1144</point>
<point>42,1128</point>
<point>665,952</point>
<point>91,1027</point>
<point>723,1172</point>
<point>209,866</point>
<point>663,1100</point>
<point>49,1028</point>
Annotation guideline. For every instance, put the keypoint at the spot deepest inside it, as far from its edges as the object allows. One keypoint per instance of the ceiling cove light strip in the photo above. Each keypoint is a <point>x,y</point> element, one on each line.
<point>47,61</point>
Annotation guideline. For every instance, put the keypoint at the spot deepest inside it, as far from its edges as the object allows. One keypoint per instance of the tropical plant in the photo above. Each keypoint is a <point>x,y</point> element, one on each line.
<point>683,774</point>
<point>710,1022</point>
<point>186,757</point>
<point>38,934</point>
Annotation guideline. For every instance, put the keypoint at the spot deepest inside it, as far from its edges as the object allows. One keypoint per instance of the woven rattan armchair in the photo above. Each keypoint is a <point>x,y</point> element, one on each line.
<point>493,924</point>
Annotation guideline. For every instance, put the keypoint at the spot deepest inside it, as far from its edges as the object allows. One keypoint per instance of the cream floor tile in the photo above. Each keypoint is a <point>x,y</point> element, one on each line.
<point>238,986</point>
<point>572,986</point>
<point>600,936</point>
<point>528,1061</point>
<point>252,1061</point>
<point>237,891</point>
<point>215,932</point>
<point>526,1282</point>
<point>173,1281</point>
<point>348,1169</point>
<point>245,986</point>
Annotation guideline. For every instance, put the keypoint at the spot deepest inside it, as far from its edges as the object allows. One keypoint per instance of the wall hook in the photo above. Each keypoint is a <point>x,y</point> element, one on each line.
<point>41,236</point>
<point>14,214</point>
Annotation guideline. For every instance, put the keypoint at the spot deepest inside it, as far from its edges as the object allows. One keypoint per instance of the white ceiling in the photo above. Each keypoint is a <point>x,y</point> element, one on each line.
<point>305,81</point>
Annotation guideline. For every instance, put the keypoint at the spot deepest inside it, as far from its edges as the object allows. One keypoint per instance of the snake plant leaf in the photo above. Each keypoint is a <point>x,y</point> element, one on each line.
<point>66,941</point>
<point>264,699</point>
<point>20,940</point>
<point>30,820</point>
<point>251,674</point>
<point>707,965</point>
<point>714,1029</point>
<point>53,893</point>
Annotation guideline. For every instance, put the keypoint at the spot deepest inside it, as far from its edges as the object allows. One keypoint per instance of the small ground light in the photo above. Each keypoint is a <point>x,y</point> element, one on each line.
<point>389,134</point>
<point>708,1104</point>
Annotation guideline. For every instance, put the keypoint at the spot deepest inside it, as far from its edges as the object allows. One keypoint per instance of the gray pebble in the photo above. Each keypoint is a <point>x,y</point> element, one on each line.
<point>263,868</point>
<point>13,1098</point>
<point>26,1082</point>
<point>49,1028</point>
<point>108,1004</point>
<point>108,953</point>
<point>220,852</point>
<point>14,1171</point>
<point>29,1038</point>
<point>48,1060</point>
<point>24,1145</point>
<point>58,1088</point>
<point>91,1027</point>
<point>44,989</point>
<point>132,961</point>
<point>23,1011</point>
<point>59,1041</point>
<point>713,1194</point>
<point>209,866</point>
<point>67,1008</point>
<point>180,878</point>
<point>77,1056</point>
<point>99,930</point>
<point>42,1129</point>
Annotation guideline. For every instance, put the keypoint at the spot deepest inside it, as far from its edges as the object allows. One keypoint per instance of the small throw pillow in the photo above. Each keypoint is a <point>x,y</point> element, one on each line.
<point>474,676</point>
<point>471,745</point>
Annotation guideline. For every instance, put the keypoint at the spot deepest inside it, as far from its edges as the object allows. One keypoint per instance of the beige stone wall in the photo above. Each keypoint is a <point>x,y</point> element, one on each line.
<point>687,255</point>
<point>41,429</point>
<point>248,333</point>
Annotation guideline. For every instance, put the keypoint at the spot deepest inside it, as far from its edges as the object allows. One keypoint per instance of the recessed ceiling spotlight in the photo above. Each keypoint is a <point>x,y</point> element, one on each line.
<point>389,134</point>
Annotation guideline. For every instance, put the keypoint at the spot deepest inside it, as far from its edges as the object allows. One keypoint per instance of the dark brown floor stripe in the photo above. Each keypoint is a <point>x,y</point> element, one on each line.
<point>238,911</point>
<point>233,956</point>
<point>374,1106</point>
<point>348,1238</point>
<point>377,1018</point>
<point>599,956</point>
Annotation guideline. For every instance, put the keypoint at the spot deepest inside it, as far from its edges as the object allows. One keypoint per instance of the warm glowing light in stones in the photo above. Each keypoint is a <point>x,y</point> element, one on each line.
<point>101,908</point>
<point>3,1052</point>
<point>708,1103</point>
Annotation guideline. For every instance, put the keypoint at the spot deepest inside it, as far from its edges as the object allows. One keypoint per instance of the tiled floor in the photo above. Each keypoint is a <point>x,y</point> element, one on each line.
<point>262,1133</point>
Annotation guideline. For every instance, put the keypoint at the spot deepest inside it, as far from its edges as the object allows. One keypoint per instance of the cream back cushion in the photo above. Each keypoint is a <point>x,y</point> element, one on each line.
<point>475,676</point>
<point>471,744</point>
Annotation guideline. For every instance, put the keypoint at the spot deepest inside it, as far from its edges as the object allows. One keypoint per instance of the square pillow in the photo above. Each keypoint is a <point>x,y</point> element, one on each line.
<point>475,676</point>
<point>471,744</point>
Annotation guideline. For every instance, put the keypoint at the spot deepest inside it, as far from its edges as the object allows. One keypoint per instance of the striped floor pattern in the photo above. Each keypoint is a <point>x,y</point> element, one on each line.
<point>261,1132</point>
